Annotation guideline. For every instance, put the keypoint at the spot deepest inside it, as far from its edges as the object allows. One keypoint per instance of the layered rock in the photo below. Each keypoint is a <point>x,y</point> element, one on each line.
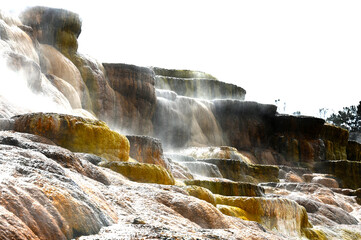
<point>297,138</point>
<point>135,96</point>
<point>334,213</point>
<point>323,179</point>
<point>228,188</point>
<point>298,126</point>
<point>190,212</point>
<point>232,169</point>
<point>35,189</point>
<point>263,173</point>
<point>222,152</point>
<point>102,95</point>
<point>200,88</point>
<point>46,147</point>
<point>300,171</point>
<point>23,64</point>
<point>240,171</point>
<point>353,151</point>
<point>40,199</point>
<point>307,139</point>
<point>56,27</point>
<point>52,193</point>
<point>347,172</point>
<point>252,128</point>
<point>55,63</point>
<point>336,141</point>
<point>244,123</point>
<point>201,193</point>
<point>196,84</point>
<point>14,39</point>
<point>182,73</point>
<point>202,169</point>
<point>76,134</point>
<point>66,89</point>
<point>179,171</point>
<point>231,163</point>
<point>123,95</point>
<point>60,28</point>
<point>181,122</point>
<point>142,172</point>
<point>274,213</point>
<point>146,149</point>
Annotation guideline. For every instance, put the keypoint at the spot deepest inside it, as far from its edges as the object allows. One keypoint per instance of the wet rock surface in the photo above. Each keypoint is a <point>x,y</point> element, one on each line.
<point>57,27</point>
<point>71,179</point>
<point>146,149</point>
<point>241,171</point>
<point>142,172</point>
<point>228,188</point>
<point>135,96</point>
<point>184,122</point>
<point>43,200</point>
<point>35,190</point>
<point>244,123</point>
<point>76,134</point>
<point>354,151</point>
<point>55,63</point>
<point>196,84</point>
<point>121,94</point>
<point>289,218</point>
<point>325,206</point>
<point>347,172</point>
<point>203,169</point>
<point>176,73</point>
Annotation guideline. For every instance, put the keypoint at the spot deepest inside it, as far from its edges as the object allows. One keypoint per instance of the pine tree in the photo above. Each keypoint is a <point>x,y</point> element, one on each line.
<point>348,118</point>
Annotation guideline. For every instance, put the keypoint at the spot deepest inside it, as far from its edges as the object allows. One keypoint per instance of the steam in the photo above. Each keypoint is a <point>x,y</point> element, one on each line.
<point>21,97</point>
<point>23,88</point>
<point>181,121</point>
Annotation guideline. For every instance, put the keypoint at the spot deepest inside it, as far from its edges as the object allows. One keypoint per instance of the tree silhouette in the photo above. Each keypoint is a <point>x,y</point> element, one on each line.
<point>348,118</point>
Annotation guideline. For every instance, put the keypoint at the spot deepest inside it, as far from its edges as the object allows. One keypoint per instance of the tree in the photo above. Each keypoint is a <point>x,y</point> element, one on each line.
<point>349,118</point>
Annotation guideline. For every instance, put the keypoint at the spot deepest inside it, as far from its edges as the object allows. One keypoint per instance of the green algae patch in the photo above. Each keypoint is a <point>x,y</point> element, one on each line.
<point>263,173</point>
<point>273,213</point>
<point>314,234</point>
<point>235,212</point>
<point>228,188</point>
<point>142,172</point>
<point>76,134</point>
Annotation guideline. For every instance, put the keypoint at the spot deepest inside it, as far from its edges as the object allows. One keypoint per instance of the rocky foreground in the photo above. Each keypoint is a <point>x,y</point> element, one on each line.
<point>230,169</point>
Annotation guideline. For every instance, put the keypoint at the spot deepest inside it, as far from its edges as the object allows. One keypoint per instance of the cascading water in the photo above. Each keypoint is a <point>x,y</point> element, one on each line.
<point>17,86</point>
<point>214,148</point>
<point>25,88</point>
<point>182,121</point>
<point>197,168</point>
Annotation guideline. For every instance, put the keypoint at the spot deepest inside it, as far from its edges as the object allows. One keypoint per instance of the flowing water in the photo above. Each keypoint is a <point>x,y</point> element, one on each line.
<point>44,183</point>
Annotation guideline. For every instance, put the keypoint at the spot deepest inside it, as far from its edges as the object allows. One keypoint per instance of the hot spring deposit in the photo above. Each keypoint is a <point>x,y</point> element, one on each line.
<point>92,150</point>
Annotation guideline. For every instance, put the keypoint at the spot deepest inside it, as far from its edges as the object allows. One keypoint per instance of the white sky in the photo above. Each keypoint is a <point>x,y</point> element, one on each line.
<point>306,53</point>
